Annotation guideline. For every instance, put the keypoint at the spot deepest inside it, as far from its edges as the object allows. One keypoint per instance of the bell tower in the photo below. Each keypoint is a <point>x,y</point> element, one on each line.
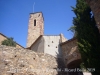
<point>35,27</point>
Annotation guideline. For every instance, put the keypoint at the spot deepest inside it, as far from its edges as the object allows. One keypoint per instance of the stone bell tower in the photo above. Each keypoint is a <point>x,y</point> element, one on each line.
<point>35,27</point>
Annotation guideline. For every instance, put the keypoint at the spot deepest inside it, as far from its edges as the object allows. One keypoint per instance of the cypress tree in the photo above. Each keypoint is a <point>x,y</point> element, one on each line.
<point>88,36</point>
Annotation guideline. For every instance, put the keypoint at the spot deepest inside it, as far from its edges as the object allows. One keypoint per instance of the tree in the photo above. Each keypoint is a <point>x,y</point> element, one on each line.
<point>72,29</point>
<point>9,42</point>
<point>87,35</point>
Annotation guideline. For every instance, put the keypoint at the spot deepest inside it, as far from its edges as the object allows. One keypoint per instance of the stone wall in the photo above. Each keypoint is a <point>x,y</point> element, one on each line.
<point>18,61</point>
<point>72,57</point>
<point>2,38</point>
<point>95,6</point>
<point>62,38</point>
<point>35,31</point>
<point>18,46</point>
<point>38,46</point>
<point>70,51</point>
<point>48,44</point>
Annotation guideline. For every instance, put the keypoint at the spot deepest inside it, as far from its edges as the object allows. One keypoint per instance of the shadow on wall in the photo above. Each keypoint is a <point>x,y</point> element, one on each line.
<point>65,68</point>
<point>61,66</point>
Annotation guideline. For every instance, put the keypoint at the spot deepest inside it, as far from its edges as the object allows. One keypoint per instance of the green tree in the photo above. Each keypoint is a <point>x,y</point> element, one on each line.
<point>72,29</point>
<point>87,35</point>
<point>9,42</point>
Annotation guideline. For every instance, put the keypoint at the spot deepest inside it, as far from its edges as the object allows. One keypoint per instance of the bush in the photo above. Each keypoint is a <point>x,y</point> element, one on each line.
<point>9,42</point>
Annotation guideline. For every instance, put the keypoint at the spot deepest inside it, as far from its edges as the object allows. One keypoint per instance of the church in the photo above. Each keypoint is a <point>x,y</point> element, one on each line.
<point>39,42</point>
<point>56,45</point>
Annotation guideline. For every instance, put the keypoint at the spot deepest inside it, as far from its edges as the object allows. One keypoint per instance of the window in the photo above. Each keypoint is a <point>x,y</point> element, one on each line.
<point>56,46</point>
<point>48,45</point>
<point>34,22</point>
<point>38,15</point>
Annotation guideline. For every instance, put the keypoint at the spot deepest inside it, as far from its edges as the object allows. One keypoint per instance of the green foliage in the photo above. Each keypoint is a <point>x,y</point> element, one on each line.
<point>9,42</point>
<point>72,29</point>
<point>88,36</point>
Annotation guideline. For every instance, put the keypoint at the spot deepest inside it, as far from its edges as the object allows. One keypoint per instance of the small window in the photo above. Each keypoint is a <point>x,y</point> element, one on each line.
<point>56,46</point>
<point>48,45</point>
<point>38,15</point>
<point>34,22</point>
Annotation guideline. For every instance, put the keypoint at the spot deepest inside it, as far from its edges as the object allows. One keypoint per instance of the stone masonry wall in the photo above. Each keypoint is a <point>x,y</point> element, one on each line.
<point>18,61</point>
<point>62,38</point>
<point>2,38</point>
<point>70,51</point>
<point>95,7</point>
<point>38,46</point>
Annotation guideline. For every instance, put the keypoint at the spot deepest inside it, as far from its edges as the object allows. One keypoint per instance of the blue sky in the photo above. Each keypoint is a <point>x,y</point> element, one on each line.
<point>14,17</point>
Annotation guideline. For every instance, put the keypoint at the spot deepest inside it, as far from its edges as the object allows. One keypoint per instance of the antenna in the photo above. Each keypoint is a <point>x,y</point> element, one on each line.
<point>33,7</point>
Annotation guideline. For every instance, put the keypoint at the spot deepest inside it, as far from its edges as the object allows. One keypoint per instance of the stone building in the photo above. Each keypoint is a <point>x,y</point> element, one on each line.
<point>39,42</point>
<point>64,51</point>
<point>48,44</point>
<point>55,45</point>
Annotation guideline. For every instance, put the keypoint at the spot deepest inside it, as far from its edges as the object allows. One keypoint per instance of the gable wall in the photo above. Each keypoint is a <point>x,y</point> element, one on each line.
<point>38,45</point>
